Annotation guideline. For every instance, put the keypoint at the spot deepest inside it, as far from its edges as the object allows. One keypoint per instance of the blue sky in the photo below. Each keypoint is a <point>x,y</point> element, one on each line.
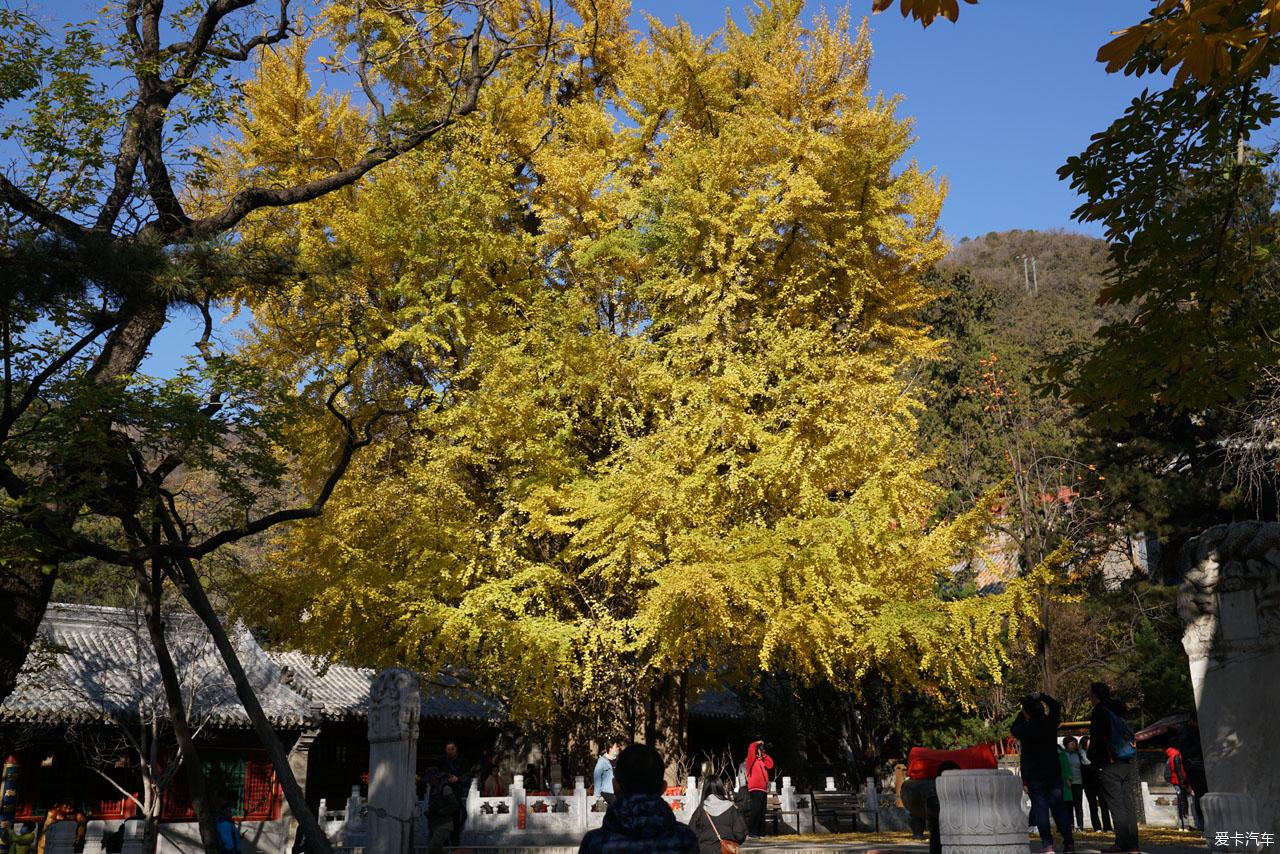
<point>1000,99</point>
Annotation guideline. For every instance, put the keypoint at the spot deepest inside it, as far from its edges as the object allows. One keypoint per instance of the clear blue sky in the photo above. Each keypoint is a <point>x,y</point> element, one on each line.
<point>1000,99</point>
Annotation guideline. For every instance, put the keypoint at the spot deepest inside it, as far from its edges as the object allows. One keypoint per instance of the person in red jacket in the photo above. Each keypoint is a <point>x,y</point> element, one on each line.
<point>1176,774</point>
<point>759,764</point>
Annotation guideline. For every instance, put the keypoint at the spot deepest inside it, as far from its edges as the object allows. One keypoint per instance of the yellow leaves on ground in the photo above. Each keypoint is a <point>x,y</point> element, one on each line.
<point>652,311</point>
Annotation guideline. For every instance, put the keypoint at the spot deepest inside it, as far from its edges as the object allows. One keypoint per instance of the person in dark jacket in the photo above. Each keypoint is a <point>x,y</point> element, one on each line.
<point>1036,728</point>
<point>1099,815</point>
<point>1118,775</point>
<point>640,821</point>
<point>758,765</point>
<point>717,819</point>
<point>920,798</point>
<point>442,811</point>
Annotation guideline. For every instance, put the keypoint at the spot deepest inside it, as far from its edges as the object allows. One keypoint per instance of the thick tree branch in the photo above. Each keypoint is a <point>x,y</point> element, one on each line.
<point>243,50</point>
<point>34,210</point>
<point>248,200</point>
<point>126,166</point>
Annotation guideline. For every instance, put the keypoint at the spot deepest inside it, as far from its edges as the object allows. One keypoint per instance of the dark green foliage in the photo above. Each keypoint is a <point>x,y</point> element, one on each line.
<point>1000,334</point>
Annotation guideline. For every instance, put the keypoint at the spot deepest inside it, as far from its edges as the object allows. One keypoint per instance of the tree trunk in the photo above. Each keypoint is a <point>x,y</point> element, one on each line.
<point>25,589</point>
<point>187,751</point>
<point>667,724</point>
<point>192,589</point>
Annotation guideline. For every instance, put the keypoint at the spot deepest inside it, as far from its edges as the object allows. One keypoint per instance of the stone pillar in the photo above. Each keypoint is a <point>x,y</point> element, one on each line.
<point>1231,822</point>
<point>299,760</point>
<point>395,705</point>
<point>870,814</point>
<point>980,812</point>
<point>135,837</point>
<point>581,803</point>
<point>1229,603</point>
<point>516,793</point>
<point>60,837</point>
<point>355,826</point>
<point>94,837</point>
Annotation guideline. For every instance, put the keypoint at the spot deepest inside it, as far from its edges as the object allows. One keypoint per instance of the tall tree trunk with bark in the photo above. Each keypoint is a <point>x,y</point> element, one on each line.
<point>25,588</point>
<point>193,590</point>
<point>149,587</point>
<point>667,722</point>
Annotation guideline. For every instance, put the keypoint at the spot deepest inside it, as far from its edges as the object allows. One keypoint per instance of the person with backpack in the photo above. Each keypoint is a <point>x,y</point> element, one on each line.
<point>1175,774</point>
<point>1112,748</point>
<point>717,820</point>
<point>1197,784</point>
<point>1036,728</point>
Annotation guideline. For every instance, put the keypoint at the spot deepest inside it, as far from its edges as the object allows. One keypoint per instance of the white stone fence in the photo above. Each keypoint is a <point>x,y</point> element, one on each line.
<point>563,814</point>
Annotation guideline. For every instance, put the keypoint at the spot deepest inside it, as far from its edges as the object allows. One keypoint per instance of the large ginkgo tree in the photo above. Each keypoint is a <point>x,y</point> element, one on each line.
<point>649,325</point>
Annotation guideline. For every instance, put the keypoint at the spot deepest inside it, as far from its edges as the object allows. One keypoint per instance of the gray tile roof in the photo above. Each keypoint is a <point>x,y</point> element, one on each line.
<point>95,663</point>
<point>343,691</point>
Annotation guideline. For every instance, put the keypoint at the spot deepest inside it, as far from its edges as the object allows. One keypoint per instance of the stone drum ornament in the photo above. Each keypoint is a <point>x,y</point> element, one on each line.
<point>980,812</point>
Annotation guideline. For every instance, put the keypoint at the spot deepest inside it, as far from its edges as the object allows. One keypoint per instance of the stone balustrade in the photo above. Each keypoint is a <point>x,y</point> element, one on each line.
<point>553,818</point>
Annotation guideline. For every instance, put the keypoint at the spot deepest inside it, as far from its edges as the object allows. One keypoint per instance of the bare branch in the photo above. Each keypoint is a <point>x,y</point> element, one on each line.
<point>240,52</point>
<point>10,414</point>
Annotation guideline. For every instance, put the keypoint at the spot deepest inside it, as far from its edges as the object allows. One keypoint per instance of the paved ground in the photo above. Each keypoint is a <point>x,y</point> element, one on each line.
<point>1154,841</point>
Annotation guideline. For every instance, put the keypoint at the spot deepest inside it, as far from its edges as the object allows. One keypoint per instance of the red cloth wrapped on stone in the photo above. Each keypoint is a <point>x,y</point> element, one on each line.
<point>923,762</point>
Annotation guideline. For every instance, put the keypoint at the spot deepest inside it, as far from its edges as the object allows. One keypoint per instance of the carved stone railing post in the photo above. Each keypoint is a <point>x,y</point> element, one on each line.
<point>581,804</point>
<point>95,837</point>
<point>1229,603</point>
<point>60,837</point>
<point>395,705</point>
<point>519,817</point>
<point>134,837</point>
<point>980,812</point>
<point>355,825</point>
<point>1231,822</point>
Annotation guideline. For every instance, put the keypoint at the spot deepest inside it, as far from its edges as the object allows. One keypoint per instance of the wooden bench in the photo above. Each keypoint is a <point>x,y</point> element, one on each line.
<point>835,810</point>
<point>774,815</point>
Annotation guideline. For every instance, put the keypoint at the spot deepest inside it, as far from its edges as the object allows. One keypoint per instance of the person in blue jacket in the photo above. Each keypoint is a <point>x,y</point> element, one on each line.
<point>602,779</point>
<point>228,833</point>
